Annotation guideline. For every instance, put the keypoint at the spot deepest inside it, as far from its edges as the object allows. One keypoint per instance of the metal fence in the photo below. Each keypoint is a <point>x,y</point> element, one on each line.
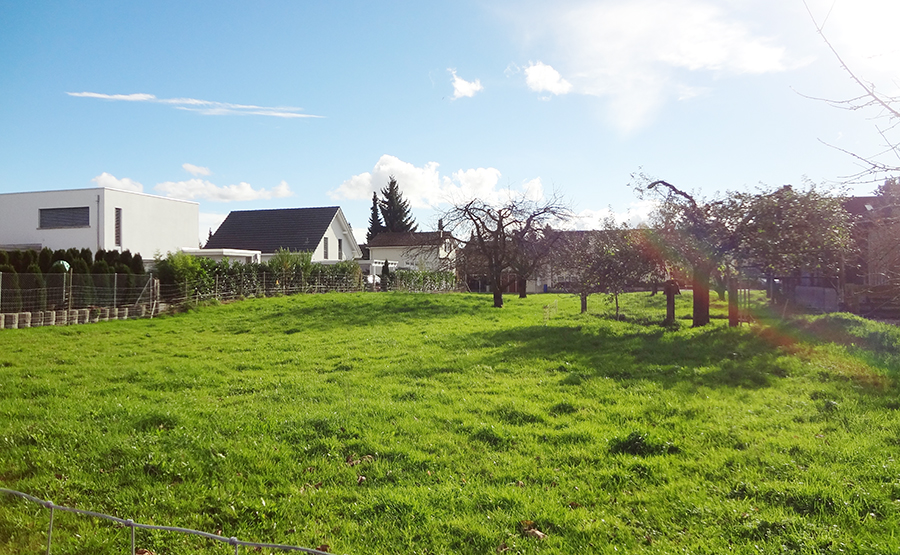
<point>132,526</point>
<point>34,300</point>
<point>68,291</point>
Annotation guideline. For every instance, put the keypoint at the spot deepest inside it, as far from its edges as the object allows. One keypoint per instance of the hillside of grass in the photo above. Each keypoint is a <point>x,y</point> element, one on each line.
<point>403,423</point>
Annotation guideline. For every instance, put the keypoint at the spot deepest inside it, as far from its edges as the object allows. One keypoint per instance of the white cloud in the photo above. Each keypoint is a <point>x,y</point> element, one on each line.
<point>420,186</point>
<point>640,54</point>
<point>124,184</point>
<point>637,214</point>
<point>195,170</point>
<point>540,77</point>
<point>463,88</point>
<point>206,107</point>
<point>201,189</point>
<point>424,187</point>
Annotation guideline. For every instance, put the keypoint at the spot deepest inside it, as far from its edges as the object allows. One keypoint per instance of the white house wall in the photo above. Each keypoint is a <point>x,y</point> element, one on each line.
<point>150,224</point>
<point>413,258</point>
<point>338,229</point>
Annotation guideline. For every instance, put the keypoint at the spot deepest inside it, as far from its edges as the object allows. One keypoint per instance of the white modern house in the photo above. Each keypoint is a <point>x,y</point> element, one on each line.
<point>428,250</point>
<point>97,218</point>
<point>323,231</point>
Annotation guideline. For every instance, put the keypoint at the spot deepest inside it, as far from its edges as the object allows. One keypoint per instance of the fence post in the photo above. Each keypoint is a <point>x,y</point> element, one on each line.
<point>131,525</point>
<point>1,294</point>
<point>115,289</point>
<point>50,529</point>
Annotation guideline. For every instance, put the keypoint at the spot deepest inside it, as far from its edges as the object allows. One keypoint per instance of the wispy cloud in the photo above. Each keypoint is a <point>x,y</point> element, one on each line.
<point>194,189</point>
<point>640,54</point>
<point>463,88</point>
<point>206,107</point>
<point>195,170</point>
<point>425,187</point>
<point>112,182</point>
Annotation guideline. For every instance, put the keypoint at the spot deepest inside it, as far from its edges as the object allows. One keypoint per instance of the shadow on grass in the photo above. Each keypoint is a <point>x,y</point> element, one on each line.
<point>374,309</point>
<point>712,357</point>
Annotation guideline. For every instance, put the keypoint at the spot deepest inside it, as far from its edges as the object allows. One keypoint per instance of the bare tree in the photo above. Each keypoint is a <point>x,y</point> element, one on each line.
<point>531,251</point>
<point>700,234</point>
<point>879,165</point>
<point>496,234</point>
<point>604,261</point>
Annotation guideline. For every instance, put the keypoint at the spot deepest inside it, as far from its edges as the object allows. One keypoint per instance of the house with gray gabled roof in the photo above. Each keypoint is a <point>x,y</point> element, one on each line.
<point>324,232</point>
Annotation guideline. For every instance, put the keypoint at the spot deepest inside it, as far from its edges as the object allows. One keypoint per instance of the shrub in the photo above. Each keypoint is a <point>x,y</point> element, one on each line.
<point>36,287</point>
<point>45,259</point>
<point>12,295</point>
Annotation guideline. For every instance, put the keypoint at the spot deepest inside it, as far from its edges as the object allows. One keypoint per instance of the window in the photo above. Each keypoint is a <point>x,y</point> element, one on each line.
<point>118,227</point>
<point>325,247</point>
<point>64,218</point>
<point>340,249</point>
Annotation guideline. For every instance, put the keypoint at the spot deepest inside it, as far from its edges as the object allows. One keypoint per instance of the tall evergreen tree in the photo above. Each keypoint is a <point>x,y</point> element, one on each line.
<point>375,225</point>
<point>395,209</point>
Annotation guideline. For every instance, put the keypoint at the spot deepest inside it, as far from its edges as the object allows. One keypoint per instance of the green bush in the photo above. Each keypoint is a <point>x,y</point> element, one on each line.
<point>33,282</point>
<point>11,301</point>
<point>423,280</point>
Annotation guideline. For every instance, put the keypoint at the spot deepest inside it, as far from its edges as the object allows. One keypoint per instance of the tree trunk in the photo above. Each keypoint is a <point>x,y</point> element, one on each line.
<point>497,290</point>
<point>616,295</point>
<point>701,296</point>
<point>734,319</point>
<point>498,298</point>
<point>670,289</point>
<point>520,285</point>
<point>584,297</point>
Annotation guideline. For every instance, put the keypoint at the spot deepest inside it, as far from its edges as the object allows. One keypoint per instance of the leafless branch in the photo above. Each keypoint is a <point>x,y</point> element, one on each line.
<point>888,107</point>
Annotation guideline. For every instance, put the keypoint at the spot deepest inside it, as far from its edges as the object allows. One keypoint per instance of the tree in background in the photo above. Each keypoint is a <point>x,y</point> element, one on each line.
<point>700,234</point>
<point>492,229</point>
<point>531,249</point>
<point>395,211</point>
<point>375,225</point>
<point>604,261</point>
<point>790,230</point>
<point>877,235</point>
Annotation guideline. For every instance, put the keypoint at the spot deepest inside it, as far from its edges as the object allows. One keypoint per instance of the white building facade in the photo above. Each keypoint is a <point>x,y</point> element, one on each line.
<point>99,218</point>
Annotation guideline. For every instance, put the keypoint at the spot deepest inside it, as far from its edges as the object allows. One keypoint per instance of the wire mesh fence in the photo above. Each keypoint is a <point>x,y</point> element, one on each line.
<point>133,526</point>
<point>67,291</point>
<point>33,300</point>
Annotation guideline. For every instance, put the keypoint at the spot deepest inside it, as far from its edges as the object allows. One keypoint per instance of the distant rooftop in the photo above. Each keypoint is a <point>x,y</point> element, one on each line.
<point>295,229</point>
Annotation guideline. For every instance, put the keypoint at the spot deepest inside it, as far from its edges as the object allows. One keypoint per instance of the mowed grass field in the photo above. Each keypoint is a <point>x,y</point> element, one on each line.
<point>403,423</point>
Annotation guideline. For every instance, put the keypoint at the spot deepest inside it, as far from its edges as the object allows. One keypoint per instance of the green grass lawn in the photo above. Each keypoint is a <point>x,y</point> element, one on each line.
<point>403,423</point>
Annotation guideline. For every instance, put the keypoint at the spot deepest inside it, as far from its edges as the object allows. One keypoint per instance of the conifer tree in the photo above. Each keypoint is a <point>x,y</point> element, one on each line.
<point>375,225</point>
<point>395,209</point>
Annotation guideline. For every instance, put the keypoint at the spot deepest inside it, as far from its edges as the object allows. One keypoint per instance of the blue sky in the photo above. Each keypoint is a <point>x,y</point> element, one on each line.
<point>289,104</point>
